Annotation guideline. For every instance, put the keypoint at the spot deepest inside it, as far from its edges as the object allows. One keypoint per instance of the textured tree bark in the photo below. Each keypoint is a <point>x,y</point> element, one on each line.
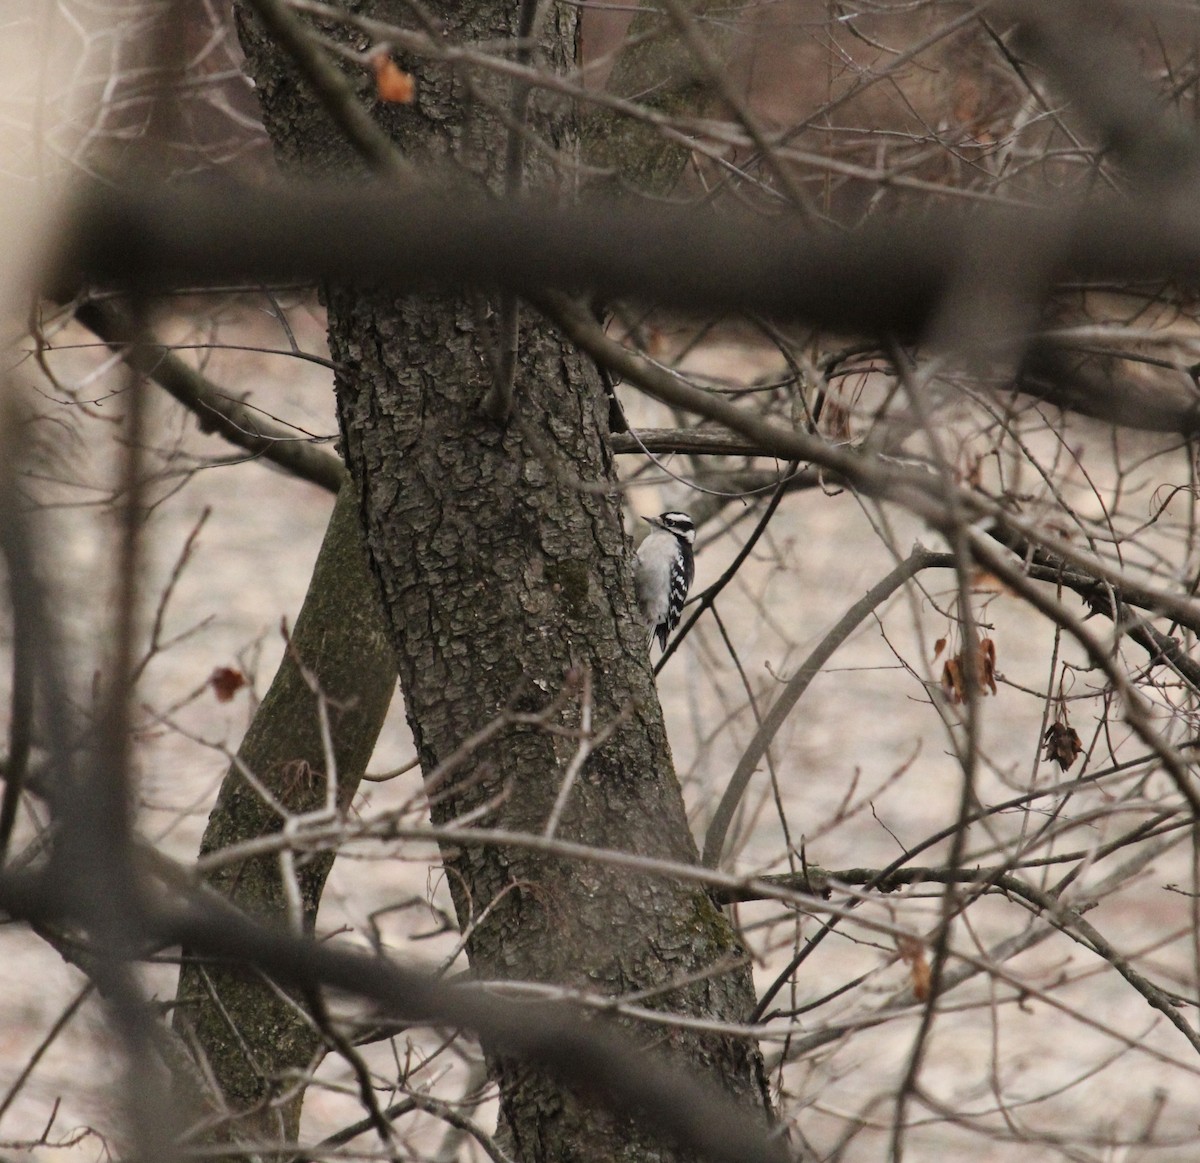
<point>504,566</point>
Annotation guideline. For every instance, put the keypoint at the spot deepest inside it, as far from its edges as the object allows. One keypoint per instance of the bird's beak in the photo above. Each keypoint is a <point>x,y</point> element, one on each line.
<point>653,521</point>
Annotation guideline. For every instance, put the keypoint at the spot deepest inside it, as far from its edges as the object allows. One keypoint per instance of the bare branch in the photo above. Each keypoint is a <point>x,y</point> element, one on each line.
<point>215,409</point>
<point>714,839</point>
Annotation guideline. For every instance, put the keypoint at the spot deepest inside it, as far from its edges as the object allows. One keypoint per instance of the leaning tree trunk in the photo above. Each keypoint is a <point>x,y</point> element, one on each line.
<point>505,568</point>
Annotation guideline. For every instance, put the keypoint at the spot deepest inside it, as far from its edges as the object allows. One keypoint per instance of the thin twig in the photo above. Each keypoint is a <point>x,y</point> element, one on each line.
<point>72,1008</point>
<point>714,838</point>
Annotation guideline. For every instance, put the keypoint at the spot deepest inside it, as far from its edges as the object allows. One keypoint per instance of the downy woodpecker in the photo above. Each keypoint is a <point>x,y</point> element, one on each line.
<point>664,572</point>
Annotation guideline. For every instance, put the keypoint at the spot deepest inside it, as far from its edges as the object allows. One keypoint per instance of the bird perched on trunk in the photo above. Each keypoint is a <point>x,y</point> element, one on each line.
<point>665,568</point>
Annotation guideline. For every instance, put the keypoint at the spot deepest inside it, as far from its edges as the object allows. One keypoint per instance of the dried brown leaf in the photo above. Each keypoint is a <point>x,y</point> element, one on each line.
<point>954,671</point>
<point>392,83</point>
<point>952,683</point>
<point>226,682</point>
<point>987,665</point>
<point>912,953</point>
<point>1062,744</point>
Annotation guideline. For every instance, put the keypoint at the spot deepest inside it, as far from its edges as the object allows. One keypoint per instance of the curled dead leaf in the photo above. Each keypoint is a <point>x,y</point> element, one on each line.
<point>1062,745</point>
<point>954,671</point>
<point>226,682</point>
<point>987,664</point>
<point>952,681</point>
<point>912,953</point>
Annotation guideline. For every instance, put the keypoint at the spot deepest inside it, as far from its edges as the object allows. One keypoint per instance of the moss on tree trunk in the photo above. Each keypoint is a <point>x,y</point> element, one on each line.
<point>250,1035</point>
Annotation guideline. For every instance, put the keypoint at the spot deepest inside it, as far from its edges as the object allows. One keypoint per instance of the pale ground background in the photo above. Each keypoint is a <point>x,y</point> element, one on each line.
<point>865,719</point>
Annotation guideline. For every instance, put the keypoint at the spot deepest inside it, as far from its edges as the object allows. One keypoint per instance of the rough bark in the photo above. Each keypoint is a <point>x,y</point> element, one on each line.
<point>249,1035</point>
<point>504,567</point>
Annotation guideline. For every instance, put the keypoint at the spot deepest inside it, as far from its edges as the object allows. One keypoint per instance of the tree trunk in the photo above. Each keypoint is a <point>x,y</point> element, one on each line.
<point>504,569</point>
<point>249,1035</point>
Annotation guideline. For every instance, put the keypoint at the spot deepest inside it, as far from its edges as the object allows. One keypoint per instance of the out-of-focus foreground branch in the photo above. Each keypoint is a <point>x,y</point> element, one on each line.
<point>883,278</point>
<point>595,1062</point>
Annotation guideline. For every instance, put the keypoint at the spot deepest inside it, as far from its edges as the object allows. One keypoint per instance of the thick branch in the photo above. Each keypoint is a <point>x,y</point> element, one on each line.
<point>340,646</point>
<point>214,409</point>
<point>684,442</point>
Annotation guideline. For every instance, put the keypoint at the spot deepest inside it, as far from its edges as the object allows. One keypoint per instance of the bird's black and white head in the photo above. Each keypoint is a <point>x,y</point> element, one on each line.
<point>680,524</point>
